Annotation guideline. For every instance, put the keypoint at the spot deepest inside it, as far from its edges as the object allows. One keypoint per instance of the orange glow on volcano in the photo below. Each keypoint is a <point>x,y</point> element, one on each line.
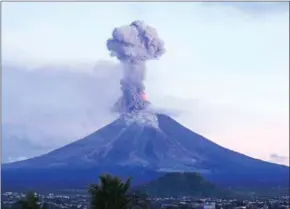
<point>144,96</point>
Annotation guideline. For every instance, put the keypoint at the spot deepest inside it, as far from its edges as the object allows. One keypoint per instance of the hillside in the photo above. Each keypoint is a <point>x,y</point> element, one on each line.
<point>178,184</point>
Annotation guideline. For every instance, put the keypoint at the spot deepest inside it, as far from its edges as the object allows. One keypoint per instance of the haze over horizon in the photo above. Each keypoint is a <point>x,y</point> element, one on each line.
<point>224,75</point>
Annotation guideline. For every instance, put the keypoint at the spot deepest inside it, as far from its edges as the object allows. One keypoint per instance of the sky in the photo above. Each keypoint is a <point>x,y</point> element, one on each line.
<point>224,74</point>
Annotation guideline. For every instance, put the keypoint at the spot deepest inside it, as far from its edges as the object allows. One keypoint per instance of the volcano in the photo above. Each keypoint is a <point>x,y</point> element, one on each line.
<point>143,146</point>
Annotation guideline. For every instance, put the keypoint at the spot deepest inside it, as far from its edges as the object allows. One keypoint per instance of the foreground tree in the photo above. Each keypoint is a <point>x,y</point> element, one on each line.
<point>112,193</point>
<point>30,202</point>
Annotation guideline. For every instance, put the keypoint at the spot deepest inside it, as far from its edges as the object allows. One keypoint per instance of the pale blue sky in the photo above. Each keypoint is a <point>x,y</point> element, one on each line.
<point>225,70</point>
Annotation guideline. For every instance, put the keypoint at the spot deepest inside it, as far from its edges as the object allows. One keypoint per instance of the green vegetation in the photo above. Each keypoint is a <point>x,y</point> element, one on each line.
<point>112,193</point>
<point>182,184</point>
<point>30,202</point>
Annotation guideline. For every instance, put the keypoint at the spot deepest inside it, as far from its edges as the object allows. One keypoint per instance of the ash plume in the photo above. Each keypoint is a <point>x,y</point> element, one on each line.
<point>133,45</point>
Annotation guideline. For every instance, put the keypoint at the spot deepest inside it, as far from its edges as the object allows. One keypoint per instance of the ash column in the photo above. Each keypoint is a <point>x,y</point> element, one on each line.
<point>133,45</point>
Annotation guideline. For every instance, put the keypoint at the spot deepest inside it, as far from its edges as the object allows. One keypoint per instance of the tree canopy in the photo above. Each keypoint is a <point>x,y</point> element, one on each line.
<point>112,193</point>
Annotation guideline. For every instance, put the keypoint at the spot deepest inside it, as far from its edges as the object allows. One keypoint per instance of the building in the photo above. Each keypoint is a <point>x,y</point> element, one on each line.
<point>209,205</point>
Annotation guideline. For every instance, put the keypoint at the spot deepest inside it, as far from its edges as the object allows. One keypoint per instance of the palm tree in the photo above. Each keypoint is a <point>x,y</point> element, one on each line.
<point>112,193</point>
<point>30,201</point>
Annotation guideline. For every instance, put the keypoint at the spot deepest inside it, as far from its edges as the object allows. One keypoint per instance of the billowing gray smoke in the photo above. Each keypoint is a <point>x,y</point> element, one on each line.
<point>133,45</point>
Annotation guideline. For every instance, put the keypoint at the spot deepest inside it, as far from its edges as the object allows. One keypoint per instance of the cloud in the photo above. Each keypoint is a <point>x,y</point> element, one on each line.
<point>58,103</point>
<point>254,8</point>
<point>15,159</point>
<point>16,142</point>
<point>279,159</point>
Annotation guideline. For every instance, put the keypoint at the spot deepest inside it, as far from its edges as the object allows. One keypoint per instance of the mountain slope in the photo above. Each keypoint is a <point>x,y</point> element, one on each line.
<point>157,144</point>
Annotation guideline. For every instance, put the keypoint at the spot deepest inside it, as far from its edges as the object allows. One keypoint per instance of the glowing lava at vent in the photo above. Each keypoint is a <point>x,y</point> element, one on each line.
<point>144,96</point>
